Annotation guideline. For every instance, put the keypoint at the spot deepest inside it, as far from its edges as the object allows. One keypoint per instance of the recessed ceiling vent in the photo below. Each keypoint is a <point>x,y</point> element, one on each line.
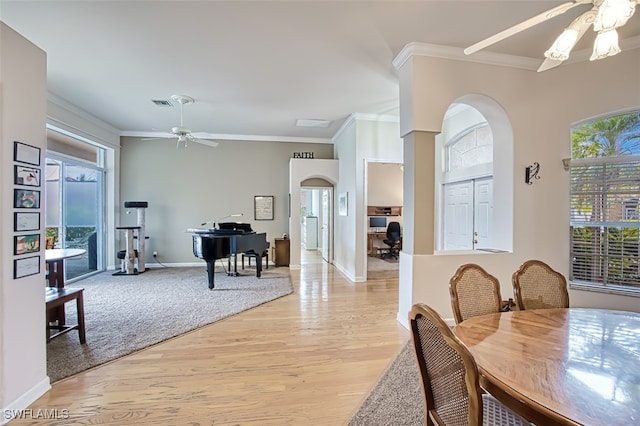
<point>162,102</point>
<point>312,123</point>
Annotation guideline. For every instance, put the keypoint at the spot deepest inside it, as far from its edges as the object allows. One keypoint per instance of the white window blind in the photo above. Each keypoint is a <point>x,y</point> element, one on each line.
<point>605,237</point>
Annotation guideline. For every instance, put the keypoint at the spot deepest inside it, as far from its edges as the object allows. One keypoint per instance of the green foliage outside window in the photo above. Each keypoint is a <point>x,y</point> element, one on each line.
<point>605,198</point>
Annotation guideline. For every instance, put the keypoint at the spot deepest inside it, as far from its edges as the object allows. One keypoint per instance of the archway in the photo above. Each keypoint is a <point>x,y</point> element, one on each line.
<point>307,170</point>
<point>483,109</point>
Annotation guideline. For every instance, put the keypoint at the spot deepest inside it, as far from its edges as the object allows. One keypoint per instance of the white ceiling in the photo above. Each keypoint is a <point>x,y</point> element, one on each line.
<point>255,67</point>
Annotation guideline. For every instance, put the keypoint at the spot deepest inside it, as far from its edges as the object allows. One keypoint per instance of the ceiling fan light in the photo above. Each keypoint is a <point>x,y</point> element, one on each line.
<point>606,44</point>
<point>613,14</point>
<point>561,48</point>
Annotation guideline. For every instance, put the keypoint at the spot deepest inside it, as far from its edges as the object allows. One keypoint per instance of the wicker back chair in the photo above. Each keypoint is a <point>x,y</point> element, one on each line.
<point>450,378</point>
<point>537,286</point>
<point>474,292</point>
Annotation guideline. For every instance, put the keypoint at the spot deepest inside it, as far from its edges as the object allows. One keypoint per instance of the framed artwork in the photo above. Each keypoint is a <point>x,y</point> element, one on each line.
<point>26,221</point>
<point>342,204</point>
<point>263,207</point>
<point>25,244</point>
<point>26,199</point>
<point>27,176</point>
<point>26,266</point>
<point>24,153</point>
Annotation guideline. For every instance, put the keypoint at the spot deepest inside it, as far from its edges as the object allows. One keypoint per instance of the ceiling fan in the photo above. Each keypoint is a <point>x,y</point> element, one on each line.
<point>605,16</point>
<point>182,133</point>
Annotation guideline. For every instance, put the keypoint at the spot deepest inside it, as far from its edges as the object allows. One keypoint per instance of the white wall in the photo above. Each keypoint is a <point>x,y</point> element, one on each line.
<point>189,186</point>
<point>23,89</point>
<point>384,184</point>
<point>541,108</point>
<point>363,138</point>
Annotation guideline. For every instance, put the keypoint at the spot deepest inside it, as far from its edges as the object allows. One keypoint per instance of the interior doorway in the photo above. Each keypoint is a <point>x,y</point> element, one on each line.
<point>316,221</point>
<point>384,205</point>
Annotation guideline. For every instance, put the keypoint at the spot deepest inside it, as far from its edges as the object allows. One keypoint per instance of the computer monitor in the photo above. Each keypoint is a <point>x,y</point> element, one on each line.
<point>377,222</point>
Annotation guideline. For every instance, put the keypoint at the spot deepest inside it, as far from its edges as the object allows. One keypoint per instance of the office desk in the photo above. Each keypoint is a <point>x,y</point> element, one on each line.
<point>378,236</point>
<point>372,236</point>
<point>560,366</point>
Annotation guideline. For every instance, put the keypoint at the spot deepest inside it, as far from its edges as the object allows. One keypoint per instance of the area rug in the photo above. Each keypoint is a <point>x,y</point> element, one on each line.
<point>124,314</point>
<point>397,397</point>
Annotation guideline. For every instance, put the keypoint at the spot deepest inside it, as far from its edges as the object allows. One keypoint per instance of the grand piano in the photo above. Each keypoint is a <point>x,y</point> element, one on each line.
<point>227,241</point>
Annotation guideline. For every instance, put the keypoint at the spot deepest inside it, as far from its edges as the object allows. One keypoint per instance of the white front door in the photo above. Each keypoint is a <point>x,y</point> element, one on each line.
<point>468,214</point>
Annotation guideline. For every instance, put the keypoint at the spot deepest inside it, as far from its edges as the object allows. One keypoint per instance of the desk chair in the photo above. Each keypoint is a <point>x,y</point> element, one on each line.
<point>474,292</point>
<point>450,377</point>
<point>537,286</point>
<point>392,240</point>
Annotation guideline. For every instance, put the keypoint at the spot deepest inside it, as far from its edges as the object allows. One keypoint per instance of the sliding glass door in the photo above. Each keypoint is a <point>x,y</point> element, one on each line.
<point>74,212</point>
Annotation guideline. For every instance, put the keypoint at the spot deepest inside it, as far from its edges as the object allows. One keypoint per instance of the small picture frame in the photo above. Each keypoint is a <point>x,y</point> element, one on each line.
<point>26,199</point>
<point>25,244</point>
<point>26,221</point>
<point>263,207</point>
<point>27,176</point>
<point>24,153</point>
<point>26,266</point>
<point>343,204</point>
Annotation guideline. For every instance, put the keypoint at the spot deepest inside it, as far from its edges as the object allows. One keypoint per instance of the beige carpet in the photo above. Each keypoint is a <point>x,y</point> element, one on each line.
<point>396,400</point>
<point>127,313</point>
<point>380,269</point>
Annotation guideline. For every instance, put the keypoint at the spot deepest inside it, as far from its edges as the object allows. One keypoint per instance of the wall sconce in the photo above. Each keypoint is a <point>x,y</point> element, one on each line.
<point>531,172</point>
<point>566,162</point>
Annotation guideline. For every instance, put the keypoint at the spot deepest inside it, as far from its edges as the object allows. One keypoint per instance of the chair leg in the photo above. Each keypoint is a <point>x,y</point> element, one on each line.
<point>80,309</point>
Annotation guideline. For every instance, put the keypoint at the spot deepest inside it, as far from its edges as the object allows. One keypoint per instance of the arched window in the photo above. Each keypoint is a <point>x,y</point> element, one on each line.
<point>474,174</point>
<point>470,148</point>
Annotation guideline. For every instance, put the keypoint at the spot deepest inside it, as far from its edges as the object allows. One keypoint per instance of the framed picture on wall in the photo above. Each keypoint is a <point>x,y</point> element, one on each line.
<point>26,221</point>
<point>24,244</point>
<point>342,204</point>
<point>26,199</point>
<point>24,153</point>
<point>263,207</point>
<point>27,176</point>
<point>26,266</point>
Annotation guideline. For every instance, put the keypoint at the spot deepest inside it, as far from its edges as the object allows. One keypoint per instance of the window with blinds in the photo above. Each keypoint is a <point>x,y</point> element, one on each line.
<point>605,237</point>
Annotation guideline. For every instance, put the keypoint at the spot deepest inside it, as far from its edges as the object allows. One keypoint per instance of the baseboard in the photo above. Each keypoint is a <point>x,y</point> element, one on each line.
<point>17,408</point>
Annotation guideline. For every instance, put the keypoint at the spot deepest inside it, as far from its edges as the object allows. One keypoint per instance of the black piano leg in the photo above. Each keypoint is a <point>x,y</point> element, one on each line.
<point>258,266</point>
<point>211,266</point>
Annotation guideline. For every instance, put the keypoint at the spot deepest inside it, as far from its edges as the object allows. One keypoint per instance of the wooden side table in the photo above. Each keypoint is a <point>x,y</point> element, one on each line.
<point>282,252</point>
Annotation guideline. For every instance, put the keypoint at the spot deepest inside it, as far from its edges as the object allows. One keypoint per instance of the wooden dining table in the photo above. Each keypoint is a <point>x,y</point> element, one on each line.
<point>574,366</point>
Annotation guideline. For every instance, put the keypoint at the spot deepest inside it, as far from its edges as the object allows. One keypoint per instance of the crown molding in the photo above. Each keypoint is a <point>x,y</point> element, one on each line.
<point>66,105</point>
<point>230,137</point>
<point>491,58</point>
<point>359,116</point>
<point>457,53</point>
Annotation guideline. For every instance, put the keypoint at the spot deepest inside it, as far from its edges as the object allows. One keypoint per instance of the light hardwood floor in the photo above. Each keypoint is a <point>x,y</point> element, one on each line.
<point>309,358</point>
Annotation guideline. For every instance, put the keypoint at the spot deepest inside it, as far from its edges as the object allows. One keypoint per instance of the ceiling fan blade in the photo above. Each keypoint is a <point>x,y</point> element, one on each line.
<point>544,16</point>
<point>207,142</point>
<point>157,138</point>
<point>580,24</point>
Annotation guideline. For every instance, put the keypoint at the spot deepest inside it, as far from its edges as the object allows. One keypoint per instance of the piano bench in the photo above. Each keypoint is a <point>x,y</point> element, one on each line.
<point>252,253</point>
